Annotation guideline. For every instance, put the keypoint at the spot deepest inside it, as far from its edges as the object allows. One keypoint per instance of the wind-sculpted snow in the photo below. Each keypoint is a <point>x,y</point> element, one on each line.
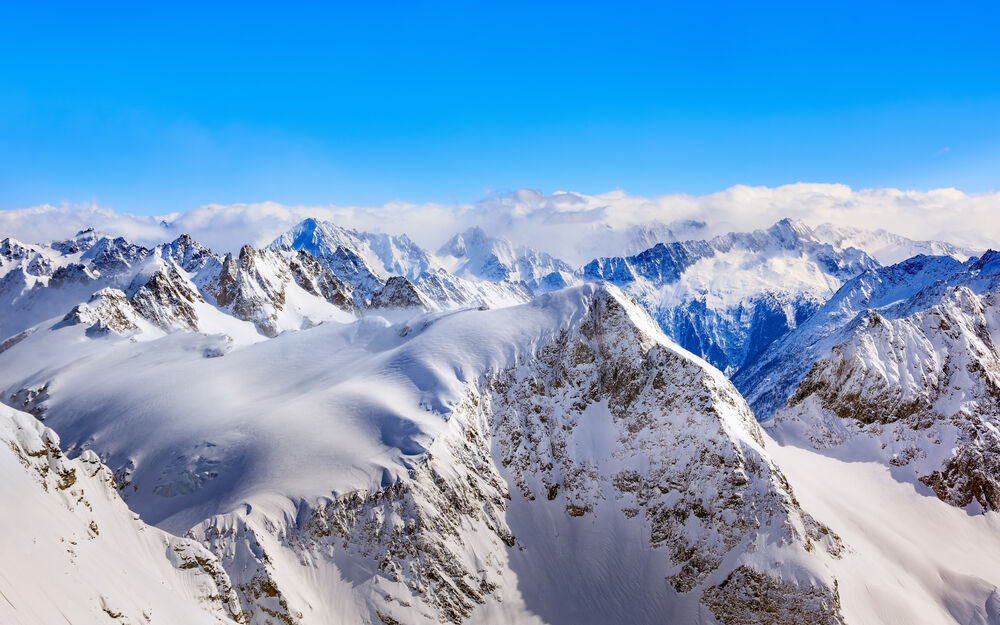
<point>73,552</point>
<point>457,466</point>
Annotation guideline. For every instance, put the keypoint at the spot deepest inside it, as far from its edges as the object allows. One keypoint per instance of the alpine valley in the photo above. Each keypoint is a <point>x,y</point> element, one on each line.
<point>793,425</point>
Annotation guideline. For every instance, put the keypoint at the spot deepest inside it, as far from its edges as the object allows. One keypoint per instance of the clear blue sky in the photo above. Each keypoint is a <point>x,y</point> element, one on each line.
<point>152,109</point>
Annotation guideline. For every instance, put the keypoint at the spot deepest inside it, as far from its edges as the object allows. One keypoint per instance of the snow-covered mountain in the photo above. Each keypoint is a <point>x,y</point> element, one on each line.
<point>889,248</point>
<point>343,427</point>
<point>113,284</point>
<point>475,254</point>
<point>728,298</point>
<point>901,367</point>
<point>366,261</point>
<point>427,470</point>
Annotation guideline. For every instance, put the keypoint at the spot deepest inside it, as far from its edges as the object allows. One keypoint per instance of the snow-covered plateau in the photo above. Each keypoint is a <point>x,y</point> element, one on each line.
<point>342,427</point>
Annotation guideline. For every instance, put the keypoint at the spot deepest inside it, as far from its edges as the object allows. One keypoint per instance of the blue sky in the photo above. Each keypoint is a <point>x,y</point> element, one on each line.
<point>154,109</point>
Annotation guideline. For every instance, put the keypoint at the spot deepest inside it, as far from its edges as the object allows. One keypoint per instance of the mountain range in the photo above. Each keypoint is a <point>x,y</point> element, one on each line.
<point>790,425</point>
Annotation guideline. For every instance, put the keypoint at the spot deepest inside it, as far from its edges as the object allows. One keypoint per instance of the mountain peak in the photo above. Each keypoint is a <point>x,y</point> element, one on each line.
<point>791,231</point>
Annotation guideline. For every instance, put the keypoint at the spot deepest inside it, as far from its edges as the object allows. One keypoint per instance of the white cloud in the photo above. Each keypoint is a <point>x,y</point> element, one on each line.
<point>570,225</point>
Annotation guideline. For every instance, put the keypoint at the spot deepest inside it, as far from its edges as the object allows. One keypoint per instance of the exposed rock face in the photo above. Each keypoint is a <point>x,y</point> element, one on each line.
<point>687,448</point>
<point>398,292</point>
<point>768,382</point>
<point>252,287</point>
<point>114,256</point>
<point>320,281</point>
<point>107,310</point>
<point>168,285</point>
<point>167,299</point>
<point>188,254</point>
<point>749,597</point>
<point>249,290</point>
<point>435,540</point>
<point>922,379</point>
<point>366,261</point>
<point>679,459</point>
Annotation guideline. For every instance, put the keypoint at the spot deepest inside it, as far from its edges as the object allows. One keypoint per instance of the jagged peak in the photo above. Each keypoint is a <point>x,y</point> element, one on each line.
<point>989,260</point>
<point>789,231</point>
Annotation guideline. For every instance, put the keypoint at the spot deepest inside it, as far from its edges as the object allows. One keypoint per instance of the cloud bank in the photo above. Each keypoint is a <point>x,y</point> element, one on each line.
<point>570,225</point>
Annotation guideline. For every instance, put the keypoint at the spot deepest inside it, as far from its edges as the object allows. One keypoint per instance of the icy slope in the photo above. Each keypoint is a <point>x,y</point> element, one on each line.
<point>73,552</point>
<point>560,461</point>
<point>728,298</point>
<point>911,558</point>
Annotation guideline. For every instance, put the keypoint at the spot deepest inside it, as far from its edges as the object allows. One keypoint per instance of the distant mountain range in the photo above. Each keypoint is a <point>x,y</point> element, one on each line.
<point>790,425</point>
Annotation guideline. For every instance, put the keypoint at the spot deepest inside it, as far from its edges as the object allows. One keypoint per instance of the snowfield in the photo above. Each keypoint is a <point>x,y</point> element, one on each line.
<point>345,428</point>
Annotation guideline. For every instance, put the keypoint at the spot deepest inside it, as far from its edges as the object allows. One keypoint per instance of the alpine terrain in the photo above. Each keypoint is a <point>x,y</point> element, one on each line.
<point>784,426</point>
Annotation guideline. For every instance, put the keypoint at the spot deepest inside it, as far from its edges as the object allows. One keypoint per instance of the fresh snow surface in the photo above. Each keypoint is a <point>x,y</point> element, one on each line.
<point>260,439</point>
<point>308,414</point>
<point>72,552</point>
<point>911,558</point>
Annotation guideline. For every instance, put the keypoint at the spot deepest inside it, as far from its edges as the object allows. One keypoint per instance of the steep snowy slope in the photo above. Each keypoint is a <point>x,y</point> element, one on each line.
<point>769,381</point>
<point>911,558</point>
<point>914,384</point>
<point>730,297</point>
<point>560,462</point>
<point>72,552</point>
<point>476,255</point>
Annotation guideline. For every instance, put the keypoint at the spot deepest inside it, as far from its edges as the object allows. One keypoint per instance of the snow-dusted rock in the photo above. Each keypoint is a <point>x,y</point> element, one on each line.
<point>365,261</point>
<point>916,385</point>
<point>106,310</point>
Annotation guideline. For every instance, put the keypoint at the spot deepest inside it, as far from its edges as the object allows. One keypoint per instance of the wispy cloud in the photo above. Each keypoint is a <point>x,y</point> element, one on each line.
<point>571,225</point>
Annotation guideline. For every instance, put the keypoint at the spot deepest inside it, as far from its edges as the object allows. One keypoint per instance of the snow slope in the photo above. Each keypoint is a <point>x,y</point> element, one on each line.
<point>560,461</point>
<point>73,552</point>
<point>911,558</point>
